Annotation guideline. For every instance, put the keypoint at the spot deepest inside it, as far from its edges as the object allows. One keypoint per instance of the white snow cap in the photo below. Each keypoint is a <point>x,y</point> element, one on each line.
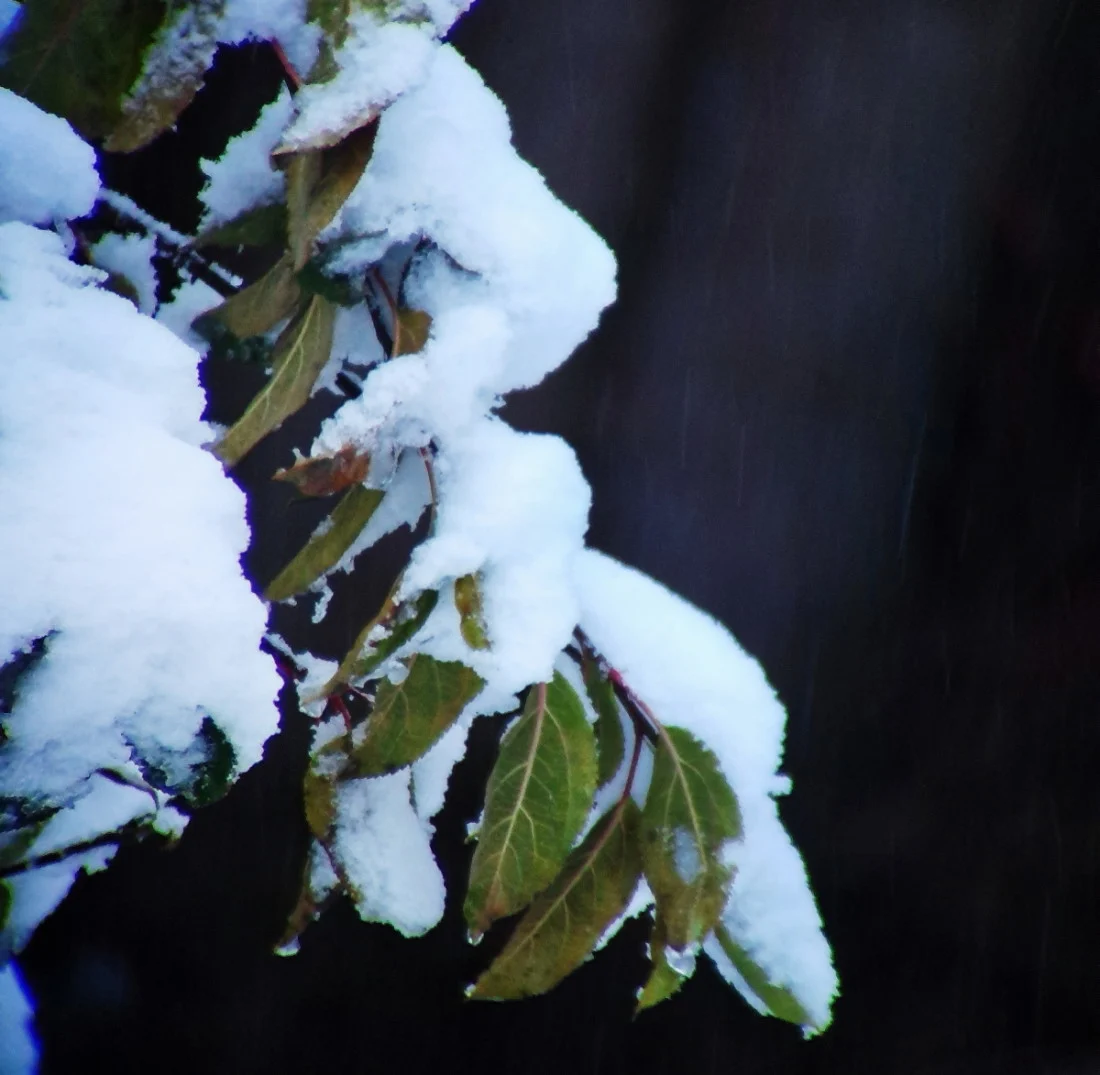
<point>47,172</point>
<point>692,673</point>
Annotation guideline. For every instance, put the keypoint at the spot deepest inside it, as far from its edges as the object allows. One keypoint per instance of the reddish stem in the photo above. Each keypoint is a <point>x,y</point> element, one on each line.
<point>293,79</point>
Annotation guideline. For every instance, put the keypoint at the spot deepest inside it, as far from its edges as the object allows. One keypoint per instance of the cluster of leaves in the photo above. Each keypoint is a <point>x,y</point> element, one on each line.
<point>111,67</point>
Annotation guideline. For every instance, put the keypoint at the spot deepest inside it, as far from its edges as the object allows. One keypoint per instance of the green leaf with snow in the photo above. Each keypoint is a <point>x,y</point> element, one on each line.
<point>690,813</point>
<point>471,617</point>
<point>410,331</point>
<point>410,716</point>
<point>537,800</point>
<point>778,999</point>
<point>564,923</point>
<point>6,900</point>
<point>300,354</point>
<point>325,548</point>
<point>610,741</point>
<point>256,309</point>
<point>173,71</point>
<point>79,58</point>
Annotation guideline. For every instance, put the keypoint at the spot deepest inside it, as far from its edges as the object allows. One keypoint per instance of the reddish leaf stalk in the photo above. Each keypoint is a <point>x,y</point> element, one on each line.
<point>293,79</point>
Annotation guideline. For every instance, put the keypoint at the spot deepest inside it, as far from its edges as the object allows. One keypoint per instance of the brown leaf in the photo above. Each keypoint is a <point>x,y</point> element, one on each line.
<point>325,475</point>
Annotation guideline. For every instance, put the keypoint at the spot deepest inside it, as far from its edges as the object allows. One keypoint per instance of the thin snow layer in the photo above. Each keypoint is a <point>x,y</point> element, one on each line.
<point>18,1052</point>
<point>47,172</point>
<point>190,299</point>
<point>243,177</point>
<point>386,853</point>
<point>444,168</point>
<point>693,674</point>
<point>131,256</point>
<point>272,20</point>
<point>121,537</point>
<point>382,57</point>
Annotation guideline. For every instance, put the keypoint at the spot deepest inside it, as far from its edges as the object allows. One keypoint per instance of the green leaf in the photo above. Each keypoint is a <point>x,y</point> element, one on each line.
<point>318,183</point>
<point>778,999</point>
<point>174,68</point>
<point>16,843</point>
<point>537,800</point>
<point>410,332</point>
<point>255,309</point>
<point>690,813</point>
<point>663,980</point>
<point>565,922</point>
<point>262,225</point>
<point>79,58</point>
<point>6,900</point>
<point>300,354</point>
<point>410,716</point>
<point>609,728</point>
<point>393,626</point>
<point>214,775</point>
<point>325,548</point>
<point>319,800</point>
<point>471,622</point>
<point>338,288</point>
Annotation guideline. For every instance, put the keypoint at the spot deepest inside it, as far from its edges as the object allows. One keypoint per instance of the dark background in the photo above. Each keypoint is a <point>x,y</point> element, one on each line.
<point>849,402</point>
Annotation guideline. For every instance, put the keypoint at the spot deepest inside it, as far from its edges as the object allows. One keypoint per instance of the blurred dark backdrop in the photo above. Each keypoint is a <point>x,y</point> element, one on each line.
<point>849,402</point>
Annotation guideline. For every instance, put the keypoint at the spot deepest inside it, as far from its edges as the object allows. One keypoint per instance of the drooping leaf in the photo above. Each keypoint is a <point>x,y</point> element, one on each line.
<point>610,742</point>
<point>255,309</point>
<point>393,626</point>
<point>563,924</point>
<point>410,332</point>
<point>408,717</point>
<point>779,1000</point>
<point>690,813</point>
<point>174,68</point>
<point>262,225</point>
<point>471,618</point>
<point>324,549</point>
<point>536,802</point>
<point>318,183</point>
<point>79,58</point>
<point>326,475</point>
<point>214,774</point>
<point>300,354</point>
<point>664,979</point>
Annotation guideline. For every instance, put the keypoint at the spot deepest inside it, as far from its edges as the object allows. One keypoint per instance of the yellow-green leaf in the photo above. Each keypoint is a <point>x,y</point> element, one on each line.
<point>79,58</point>
<point>318,184</point>
<point>262,225</point>
<point>664,980</point>
<point>610,742</point>
<point>564,923</point>
<point>537,799</point>
<point>324,549</point>
<point>471,618</point>
<point>690,813</point>
<point>319,799</point>
<point>257,308</point>
<point>300,354</point>
<point>778,999</point>
<point>173,71</point>
<point>410,331</point>
<point>408,717</point>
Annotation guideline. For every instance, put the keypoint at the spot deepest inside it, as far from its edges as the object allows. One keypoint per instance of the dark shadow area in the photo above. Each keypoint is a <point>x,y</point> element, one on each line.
<point>849,402</point>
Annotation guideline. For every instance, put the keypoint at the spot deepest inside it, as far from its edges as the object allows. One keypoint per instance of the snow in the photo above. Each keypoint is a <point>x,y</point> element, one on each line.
<point>122,539</point>
<point>692,674</point>
<point>46,171</point>
<point>131,256</point>
<point>18,1052</point>
<point>266,20</point>
<point>190,299</point>
<point>386,853</point>
<point>242,177</point>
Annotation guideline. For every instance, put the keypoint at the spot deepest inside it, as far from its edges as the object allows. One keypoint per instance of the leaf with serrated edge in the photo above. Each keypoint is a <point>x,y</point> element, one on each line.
<point>471,619</point>
<point>690,813</point>
<point>537,799</point>
<point>663,980</point>
<point>565,922</point>
<point>610,742</point>
<point>323,551</point>
<point>257,308</point>
<point>300,354</point>
<point>174,68</point>
<point>408,717</point>
<point>779,1000</point>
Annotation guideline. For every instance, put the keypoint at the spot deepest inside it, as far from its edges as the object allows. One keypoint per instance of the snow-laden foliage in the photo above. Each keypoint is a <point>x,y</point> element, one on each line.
<point>424,260</point>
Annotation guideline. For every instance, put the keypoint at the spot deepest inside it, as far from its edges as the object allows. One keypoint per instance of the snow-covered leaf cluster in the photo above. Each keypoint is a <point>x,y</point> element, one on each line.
<point>428,263</point>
